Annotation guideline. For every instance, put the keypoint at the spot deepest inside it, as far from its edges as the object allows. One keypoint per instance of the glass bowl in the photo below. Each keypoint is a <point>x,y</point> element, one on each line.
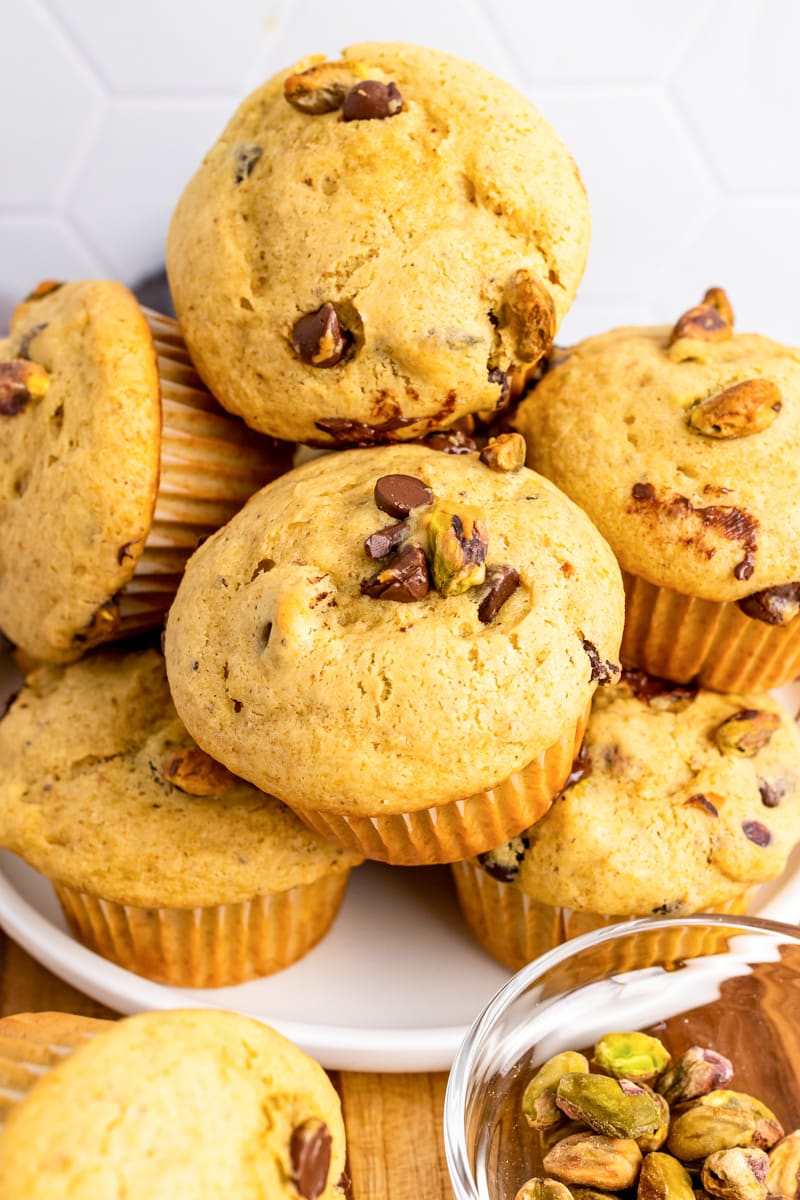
<point>730,984</point>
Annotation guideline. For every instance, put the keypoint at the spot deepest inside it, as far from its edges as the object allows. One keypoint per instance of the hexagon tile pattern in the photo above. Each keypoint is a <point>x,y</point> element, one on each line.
<point>682,118</point>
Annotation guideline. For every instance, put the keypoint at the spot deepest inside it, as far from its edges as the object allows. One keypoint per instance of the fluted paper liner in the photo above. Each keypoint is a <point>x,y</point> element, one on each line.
<point>206,947</point>
<point>684,638</point>
<point>462,827</point>
<point>31,1044</point>
<point>211,463</point>
<point>515,929</point>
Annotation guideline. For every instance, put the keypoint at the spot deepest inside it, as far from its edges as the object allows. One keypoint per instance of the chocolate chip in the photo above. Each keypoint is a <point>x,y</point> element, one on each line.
<point>398,494</point>
<point>649,687</point>
<point>371,100</point>
<point>406,579</point>
<point>319,339</point>
<point>757,833</point>
<point>310,1155</point>
<point>698,800</point>
<point>495,375</point>
<point>384,541</point>
<point>581,767</point>
<point>15,385</point>
<point>603,670</point>
<point>358,433</point>
<point>663,910</point>
<point>246,158</point>
<point>28,337</point>
<point>773,606</point>
<point>125,552</point>
<point>451,441</point>
<point>643,491</point>
<point>503,582</point>
<point>504,861</point>
<point>771,793</point>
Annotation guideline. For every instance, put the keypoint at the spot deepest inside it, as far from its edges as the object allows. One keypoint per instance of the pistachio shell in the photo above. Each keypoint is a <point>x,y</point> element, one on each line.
<point>633,1056</point>
<point>607,1106</point>
<point>595,1161</point>
<point>736,1174</point>
<point>662,1177</point>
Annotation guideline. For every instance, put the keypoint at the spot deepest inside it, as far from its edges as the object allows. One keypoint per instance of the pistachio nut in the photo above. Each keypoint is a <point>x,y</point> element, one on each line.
<point>458,539</point>
<point>703,323</point>
<point>20,382</point>
<point>634,1056</point>
<point>594,1160</point>
<point>662,1177</point>
<point>654,1141</point>
<point>702,1130</point>
<point>608,1105</point>
<point>543,1189</point>
<point>736,1174</point>
<point>548,1138</point>
<point>717,297</point>
<point>197,773</point>
<point>506,452</point>
<point>768,1129</point>
<point>783,1176</point>
<point>323,87</point>
<point>584,1193</point>
<point>529,315</point>
<point>695,1073</point>
<point>739,411</point>
<point>544,1084</point>
<point>746,732</point>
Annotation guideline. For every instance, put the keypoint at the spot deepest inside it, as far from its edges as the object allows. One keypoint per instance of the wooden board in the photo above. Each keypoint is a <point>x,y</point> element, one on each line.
<point>394,1122</point>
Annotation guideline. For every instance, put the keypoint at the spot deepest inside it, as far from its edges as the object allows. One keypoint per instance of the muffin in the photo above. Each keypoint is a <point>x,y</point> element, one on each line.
<point>203,1105</point>
<point>400,644</point>
<point>31,1044</point>
<point>683,446</point>
<point>114,462</point>
<point>681,801</point>
<point>162,861</point>
<point>376,247</point>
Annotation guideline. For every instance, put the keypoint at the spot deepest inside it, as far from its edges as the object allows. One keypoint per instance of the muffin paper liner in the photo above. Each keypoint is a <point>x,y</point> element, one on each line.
<point>211,463</point>
<point>684,638</point>
<point>515,929</point>
<point>206,947</point>
<point>460,828</point>
<point>33,1043</point>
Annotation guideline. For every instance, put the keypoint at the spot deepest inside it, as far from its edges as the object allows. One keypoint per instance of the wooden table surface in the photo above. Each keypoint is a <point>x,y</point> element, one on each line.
<point>394,1122</point>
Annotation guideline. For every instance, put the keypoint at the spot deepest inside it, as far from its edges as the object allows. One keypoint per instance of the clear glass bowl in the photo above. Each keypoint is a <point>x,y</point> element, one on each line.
<point>731,984</point>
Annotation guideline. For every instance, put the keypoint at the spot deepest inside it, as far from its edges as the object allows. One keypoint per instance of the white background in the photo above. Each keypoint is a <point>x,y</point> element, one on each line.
<point>683,116</point>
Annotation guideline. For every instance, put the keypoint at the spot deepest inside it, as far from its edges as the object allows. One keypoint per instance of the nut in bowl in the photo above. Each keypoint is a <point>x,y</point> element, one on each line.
<point>711,988</point>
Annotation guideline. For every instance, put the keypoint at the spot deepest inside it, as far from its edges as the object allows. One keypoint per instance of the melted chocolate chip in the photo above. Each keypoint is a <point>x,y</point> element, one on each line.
<point>28,336</point>
<point>14,394</point>
<point>495,375</point>
<point>125,552</point>
<point>649,687</point>
<point>580,769</point>
<point>643,492</point>
<point>503,862</point>
<point>757,833</point>
<point>773,606</point>
<point>358,433</point>
<point>730,522</point>
<point>663,910</point>
<point>603,670</point>
<point>319,339</point>
<point>398,494</point>
<point>310,1154</point>
<point>771,793</point>
<point>406,579</point>
<point>371,100</point>
<point>698,800</point>
<point>503,582</point>
<point>245,160</point>
<point>451,441</point>
<point>384,541</point>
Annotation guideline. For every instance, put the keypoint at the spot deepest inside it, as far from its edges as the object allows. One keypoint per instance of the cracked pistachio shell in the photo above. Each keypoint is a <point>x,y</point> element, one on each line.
<point>696,1073</point>
<point>595,1161</point>
<point>702,1130</point>
<point>633,1056</point>
<point>736,1174</point>
<point>543,1189</point>
<point>783,1176</point>
<point>546,1081</point>
<point>607,1107</point>
<point>662,1177</point>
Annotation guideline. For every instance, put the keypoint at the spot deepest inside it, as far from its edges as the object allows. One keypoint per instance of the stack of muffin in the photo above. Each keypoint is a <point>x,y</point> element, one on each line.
<point>391,651</point>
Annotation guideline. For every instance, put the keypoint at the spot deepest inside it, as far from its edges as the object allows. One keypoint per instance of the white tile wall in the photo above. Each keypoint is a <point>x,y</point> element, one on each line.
<point>683,116</point>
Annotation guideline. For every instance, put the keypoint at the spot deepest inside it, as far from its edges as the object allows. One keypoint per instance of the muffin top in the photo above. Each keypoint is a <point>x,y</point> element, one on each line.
<point>80,419</point>
<point>681,798</point>
<point>196,1104</point>
<point>373,246</point>
<point>32,1043</point>
<point>102,789</point>
<point>342,683</point>
<point>684,451</point>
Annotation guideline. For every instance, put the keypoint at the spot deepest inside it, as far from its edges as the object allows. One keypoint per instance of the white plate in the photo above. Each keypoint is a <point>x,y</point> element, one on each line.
<point>393,987</point>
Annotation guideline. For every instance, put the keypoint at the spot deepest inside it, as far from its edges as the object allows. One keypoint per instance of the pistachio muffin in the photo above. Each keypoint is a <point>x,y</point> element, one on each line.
<point>683,445</point>
<point>200,1104</point>
<point>162,861</point>
<point>316,274</point>
<point>401,644</point>
<point>681,801</point>
<point>114,461</point>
